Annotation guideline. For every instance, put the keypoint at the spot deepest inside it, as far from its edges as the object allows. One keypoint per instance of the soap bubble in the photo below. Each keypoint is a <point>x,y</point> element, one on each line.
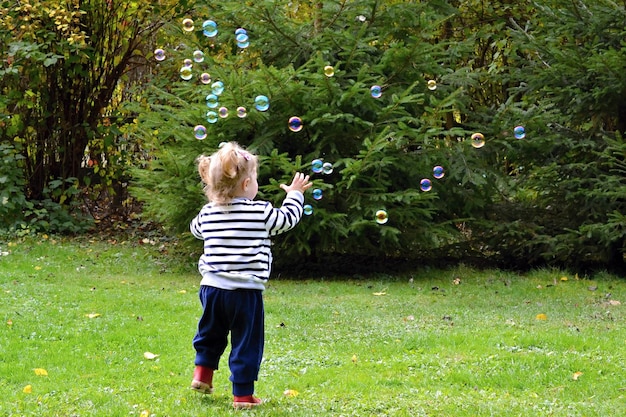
<point>159,54</point>
<point>212,101</point>
<point>241,38</point>
<point>222,112</point>
<point>187,25</point>
<point>519,132</point>
<point>327,168</point>
<point>478,140</point>
<point>209,28</point>
<point>187,62</point>
<point>211,116</point>
<point>217,88</point>
<point>243,45</point>
<point>241,112</point>
<point>426,185</point>
<point>200,132</point>
<point>329,71</point>
<point>381,217</point>
<point>308,209</point>
<point>186,73</point>
<point>432,85</point>
<point>317,194</point>
<point>376,91</point>
<point>438,172</point>
<point>240,31</point>
<point>295,124</point>
<point>262,103</point>
<point>317,166</point>
<point>205,78</point>
<point>198,56</point>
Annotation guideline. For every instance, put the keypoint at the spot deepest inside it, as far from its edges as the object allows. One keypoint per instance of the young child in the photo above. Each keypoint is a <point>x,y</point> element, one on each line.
<point>235,266</point>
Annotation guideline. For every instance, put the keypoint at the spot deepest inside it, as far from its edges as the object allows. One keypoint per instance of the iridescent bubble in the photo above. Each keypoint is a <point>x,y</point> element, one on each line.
<point>241,112</point>
<point>317,166</point>
<point>239,31</point>
<point>426,185</point>
<point>209,28</point>
<point>327,168</point>
<point>432,85</point>
<point>381,217</point>
<point>519,132</point>
<point>217,88</point>
<point>187,62</point>
<point>186,73</point>
<point>243,45</point>
<point>241,38</point>
<point>205,78</point>
<point>295,124</point>
<point>438,172</point>
<point>187,25</point>
<point>159,54</point>
<point>262,103</point>
<point>317,194</point>
<point>361,18</point>
<point>376,91</point>
<point>308,209</point>
<point>329,71</point>
<point>200,132</point>
<point>212,101</point>
<point>222,112</point>
<point>478,140</point>
<point>198,56</point>
<point>211,117</point>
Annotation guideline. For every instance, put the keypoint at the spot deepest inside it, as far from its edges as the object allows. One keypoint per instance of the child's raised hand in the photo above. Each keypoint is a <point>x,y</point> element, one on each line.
<point>300,183</point>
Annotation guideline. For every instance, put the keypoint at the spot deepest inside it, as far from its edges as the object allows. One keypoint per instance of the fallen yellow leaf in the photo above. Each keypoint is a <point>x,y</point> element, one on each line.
<point>290,393</point>
<point>40,372</point>
<point>182,292</point>
<point>615,302</point>
<point>93,315</point>
<point>576,375</point>
<point>564,278</point>
<point>380,293</point>
<point>144,413</point>
<point>28,389</point>
<point>354,359</point>
<point>541,316</point>
<point>150,356</point>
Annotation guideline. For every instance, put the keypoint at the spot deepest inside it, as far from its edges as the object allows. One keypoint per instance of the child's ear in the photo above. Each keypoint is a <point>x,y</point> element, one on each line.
<point>245,183</point>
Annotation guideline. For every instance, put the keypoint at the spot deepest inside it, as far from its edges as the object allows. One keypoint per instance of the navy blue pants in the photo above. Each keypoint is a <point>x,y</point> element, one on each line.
<point>240,313</point>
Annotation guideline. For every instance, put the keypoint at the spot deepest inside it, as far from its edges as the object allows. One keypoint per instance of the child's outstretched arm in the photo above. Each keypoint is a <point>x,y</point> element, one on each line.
<point>300,183</point>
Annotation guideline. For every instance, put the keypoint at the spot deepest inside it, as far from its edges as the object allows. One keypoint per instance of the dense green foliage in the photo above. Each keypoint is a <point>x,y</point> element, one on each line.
<point>555,67</point>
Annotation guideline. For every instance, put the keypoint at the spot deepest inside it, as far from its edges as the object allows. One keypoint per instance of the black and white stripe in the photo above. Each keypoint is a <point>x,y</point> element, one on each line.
<point>237,247</point>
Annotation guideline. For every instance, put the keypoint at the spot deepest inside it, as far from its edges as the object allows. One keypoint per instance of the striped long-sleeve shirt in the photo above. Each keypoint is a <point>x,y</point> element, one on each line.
<point>237,252</point>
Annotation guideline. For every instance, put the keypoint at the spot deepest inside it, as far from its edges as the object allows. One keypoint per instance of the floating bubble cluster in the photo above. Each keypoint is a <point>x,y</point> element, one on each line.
<point>295,124</point>
<point>241,36</point>
<point>381,217</point>
<point>478,140</point>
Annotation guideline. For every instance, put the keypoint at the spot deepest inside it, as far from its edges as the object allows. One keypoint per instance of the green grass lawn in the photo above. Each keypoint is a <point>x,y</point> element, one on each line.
<point>456,342</point>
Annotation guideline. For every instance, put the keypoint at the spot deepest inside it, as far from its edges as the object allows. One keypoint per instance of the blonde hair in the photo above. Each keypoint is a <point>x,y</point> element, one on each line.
<point>223,172</point>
